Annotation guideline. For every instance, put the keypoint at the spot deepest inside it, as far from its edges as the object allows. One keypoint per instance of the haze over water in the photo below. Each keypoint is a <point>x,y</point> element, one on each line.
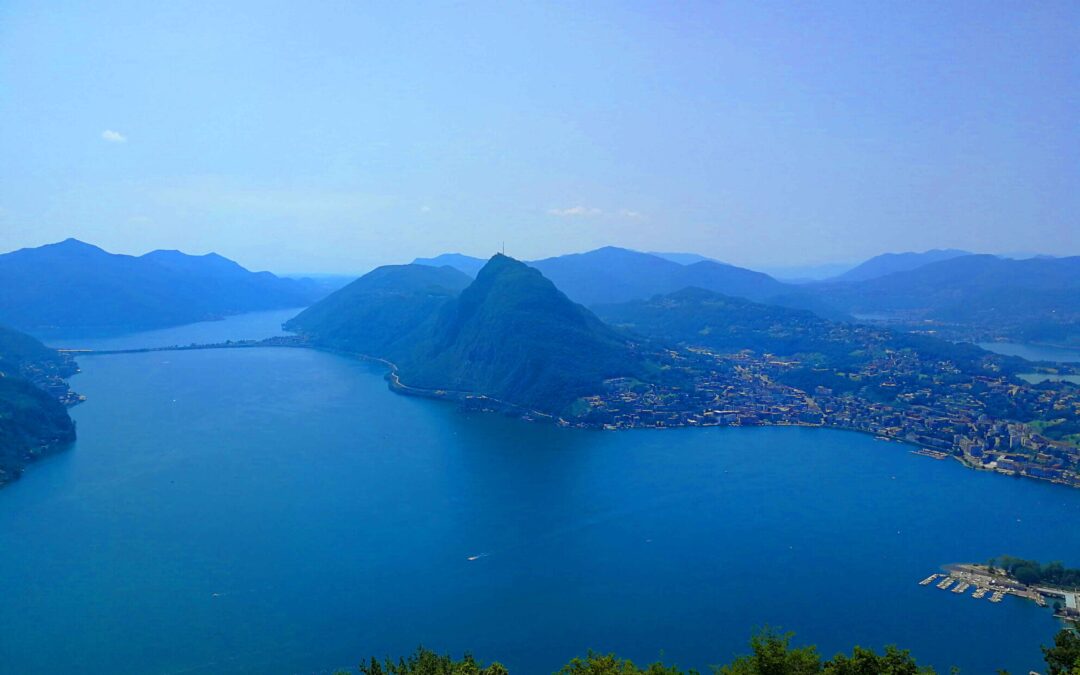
<point>279,510</point>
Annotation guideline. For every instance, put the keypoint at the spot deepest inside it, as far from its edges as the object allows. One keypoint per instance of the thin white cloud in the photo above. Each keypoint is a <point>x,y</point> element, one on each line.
<point>574,211</point>
<point>425,209</point>
<point>113,136</point>
<point>627,213</point>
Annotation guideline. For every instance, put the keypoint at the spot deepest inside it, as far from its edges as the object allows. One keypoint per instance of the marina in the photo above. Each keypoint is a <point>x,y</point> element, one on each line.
<point>994,586</point>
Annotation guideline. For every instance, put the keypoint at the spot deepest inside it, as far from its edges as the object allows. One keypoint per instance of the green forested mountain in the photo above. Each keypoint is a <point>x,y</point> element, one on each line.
<point>513,336</point>
<point>509,335</point>
<point>74,285</point>
<point>721,322</point>
<point>694,316</point>
<point>383,312</point>
<point>33,421</point>
<point>18,349</point>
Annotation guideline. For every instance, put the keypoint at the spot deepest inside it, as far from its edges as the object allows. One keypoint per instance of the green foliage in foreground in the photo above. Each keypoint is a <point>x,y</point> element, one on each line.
<point>1064,657</point>
<point>771,653</point>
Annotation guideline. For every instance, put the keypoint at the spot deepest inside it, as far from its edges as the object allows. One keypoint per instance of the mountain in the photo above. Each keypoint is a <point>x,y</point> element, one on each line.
<point>683,258</point>
<point>888,263</point>
<point>612,274</point>
<point>72,285</point>
<point>464,263</point>
<point>1037,299</point>
<point>19,350</point>
<point>509,334</point>
<point>696,317</point>
<point>513,336</point>
<point>33,421</point>
<point>700,317</point>
<point>380,313</point>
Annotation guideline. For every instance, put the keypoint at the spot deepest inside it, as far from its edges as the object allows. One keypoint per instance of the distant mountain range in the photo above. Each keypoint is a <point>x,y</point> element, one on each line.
<point>72,285</point>
<point>464,263</point>
<point>510,334</point>
<point>889,263</point>
<point>1037,299</point>
<point>611,274</point>
<point>964,296</point>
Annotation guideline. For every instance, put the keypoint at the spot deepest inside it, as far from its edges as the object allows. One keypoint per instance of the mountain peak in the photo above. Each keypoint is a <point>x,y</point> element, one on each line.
<point>71,245</point>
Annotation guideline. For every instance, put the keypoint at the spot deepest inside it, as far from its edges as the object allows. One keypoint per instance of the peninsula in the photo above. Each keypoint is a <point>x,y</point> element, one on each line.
<point>511,341</point>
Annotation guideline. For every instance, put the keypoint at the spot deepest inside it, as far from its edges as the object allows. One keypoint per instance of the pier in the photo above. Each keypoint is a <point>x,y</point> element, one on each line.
<point>995,586</point>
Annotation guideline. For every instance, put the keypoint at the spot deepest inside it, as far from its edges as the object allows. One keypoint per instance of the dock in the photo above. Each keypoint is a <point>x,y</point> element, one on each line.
<point>928,580</point>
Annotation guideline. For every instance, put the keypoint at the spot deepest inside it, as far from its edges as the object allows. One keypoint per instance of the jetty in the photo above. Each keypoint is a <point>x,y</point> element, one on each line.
<point>277,341</point>
<point>928,580</point>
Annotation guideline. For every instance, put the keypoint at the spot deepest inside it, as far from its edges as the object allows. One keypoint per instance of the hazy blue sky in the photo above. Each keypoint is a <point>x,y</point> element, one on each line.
<point>336,136</point>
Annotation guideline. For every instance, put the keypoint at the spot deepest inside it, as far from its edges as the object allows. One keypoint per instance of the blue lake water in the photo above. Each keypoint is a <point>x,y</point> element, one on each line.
<point>1033,352</point>
<point>253,325</point>
<point>279,510</point>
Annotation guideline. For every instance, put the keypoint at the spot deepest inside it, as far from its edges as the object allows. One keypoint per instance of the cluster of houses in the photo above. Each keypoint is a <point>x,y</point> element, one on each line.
<point>929,404</point>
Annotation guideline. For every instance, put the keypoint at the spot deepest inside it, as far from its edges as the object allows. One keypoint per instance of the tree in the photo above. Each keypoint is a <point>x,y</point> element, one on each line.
<point>867,662</point>
<point>427,662</point>
<point>609,664</point>
<point>773,655</point>
<point>1064,657</point>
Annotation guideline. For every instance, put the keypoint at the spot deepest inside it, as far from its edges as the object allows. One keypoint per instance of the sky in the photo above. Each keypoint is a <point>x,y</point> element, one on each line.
<point>333,137</point>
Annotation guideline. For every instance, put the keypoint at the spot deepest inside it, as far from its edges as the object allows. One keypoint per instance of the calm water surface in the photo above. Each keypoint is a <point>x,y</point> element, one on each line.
<point>1033,352</point>
<point>250,326</point>
<point>279,510</point>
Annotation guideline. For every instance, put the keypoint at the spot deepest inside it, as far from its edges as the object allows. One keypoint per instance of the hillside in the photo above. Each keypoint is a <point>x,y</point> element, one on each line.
<point>888,263</point>
<point>72,285</point>
<point>513,336</point>
<point>702,318</point>
<point>33,421</point>
<point>1036,299</point>
<point>380,313</point>
<point>699,317</point>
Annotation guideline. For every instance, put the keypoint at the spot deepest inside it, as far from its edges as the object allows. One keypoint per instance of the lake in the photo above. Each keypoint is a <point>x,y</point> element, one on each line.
<point>280,510</point>
<point>1033,352</point>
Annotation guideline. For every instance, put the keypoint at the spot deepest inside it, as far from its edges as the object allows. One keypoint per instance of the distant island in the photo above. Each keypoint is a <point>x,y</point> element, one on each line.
<point>34,396</point>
